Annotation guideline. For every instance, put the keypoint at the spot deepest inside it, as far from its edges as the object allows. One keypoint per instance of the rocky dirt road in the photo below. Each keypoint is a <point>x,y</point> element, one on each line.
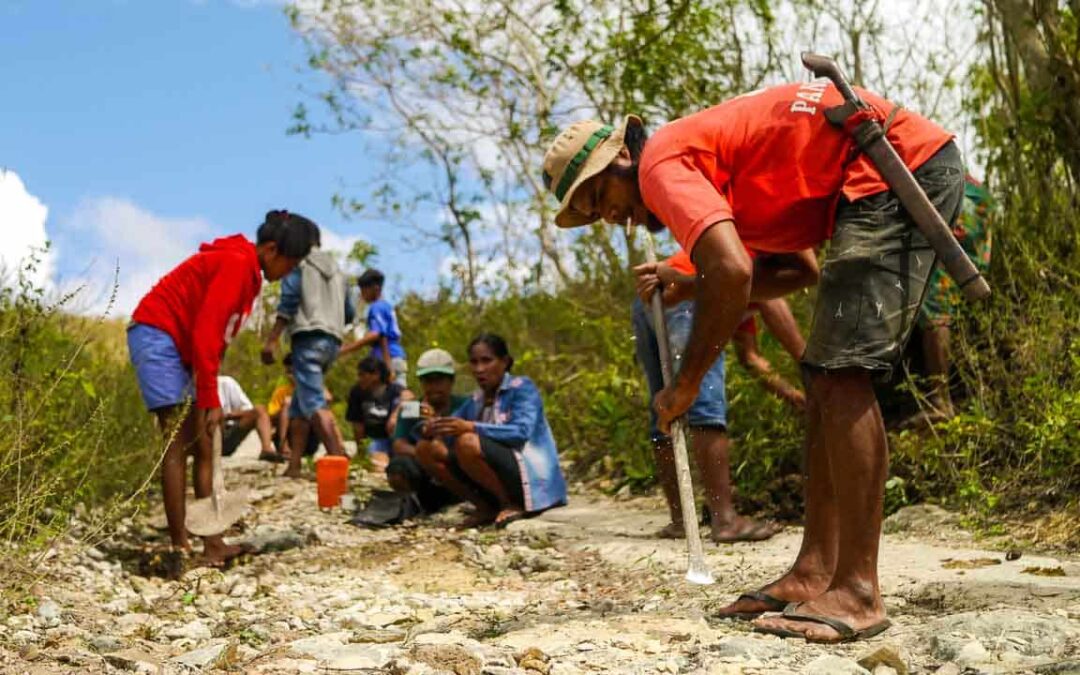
<point>582,589</point>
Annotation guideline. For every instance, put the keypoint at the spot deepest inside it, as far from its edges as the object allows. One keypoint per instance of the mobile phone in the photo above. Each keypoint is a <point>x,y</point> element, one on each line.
<point>410,410</point>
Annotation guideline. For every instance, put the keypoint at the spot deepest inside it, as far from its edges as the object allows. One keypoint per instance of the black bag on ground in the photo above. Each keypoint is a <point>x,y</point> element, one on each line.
<point>386,508</point>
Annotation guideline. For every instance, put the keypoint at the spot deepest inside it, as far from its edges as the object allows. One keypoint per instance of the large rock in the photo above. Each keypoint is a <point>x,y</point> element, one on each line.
<point>921,519</point>
<point>269,539</point>
<point>834,665</point>
<point>129,624</point>
<point>361,657</point>
<point>48,613</point>
<point>1002,631</point>
<point>103,644</point>
<point>217,655</point>
<point>751,648</point>
<point>193,630</point>
<point>884,656</point>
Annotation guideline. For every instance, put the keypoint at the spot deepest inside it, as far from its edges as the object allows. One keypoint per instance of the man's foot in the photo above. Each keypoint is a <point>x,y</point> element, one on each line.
<point>291,472</point>
<point>834,616</point>
<point>216,553</point>
<point>671,531</point>
<point>742,529</point>
<point>507,516</point>
<point>271,456</point>
<point>773,597</point>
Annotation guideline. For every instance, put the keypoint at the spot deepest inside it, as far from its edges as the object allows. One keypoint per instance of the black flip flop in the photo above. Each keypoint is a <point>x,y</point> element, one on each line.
<point>771,602</point>
<point>846,632</point>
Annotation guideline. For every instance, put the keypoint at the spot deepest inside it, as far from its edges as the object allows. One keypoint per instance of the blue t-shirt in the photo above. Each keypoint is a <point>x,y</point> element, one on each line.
<point>382,320</point>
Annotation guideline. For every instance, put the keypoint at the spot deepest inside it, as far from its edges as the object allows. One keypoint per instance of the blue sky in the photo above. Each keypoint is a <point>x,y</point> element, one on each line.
<point>145,126</point>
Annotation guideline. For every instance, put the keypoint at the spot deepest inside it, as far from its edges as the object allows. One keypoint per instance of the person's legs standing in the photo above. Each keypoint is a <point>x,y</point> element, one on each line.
<point>648,356</point>
<point>877,268</point>
<point>308,412</point>
<point>167,391</point>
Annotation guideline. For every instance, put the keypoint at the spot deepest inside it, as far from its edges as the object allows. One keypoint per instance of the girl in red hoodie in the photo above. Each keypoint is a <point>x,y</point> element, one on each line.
<point>177,338</point>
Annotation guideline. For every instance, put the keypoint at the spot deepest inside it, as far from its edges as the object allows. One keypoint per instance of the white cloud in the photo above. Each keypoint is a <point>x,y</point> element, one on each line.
<point>22,220</point>
<point>113,232</point>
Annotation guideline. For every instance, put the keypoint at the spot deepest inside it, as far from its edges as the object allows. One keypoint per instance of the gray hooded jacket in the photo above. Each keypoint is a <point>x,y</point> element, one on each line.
<point>314,297</point>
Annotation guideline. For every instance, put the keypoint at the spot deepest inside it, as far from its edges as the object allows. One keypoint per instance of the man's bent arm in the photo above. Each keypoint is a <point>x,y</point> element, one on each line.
<point>721,295</point>
<point>777,275</point>
<point>781,323</point>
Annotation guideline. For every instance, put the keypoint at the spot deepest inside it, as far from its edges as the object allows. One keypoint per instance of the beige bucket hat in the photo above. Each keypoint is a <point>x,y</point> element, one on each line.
<point>581,151</point>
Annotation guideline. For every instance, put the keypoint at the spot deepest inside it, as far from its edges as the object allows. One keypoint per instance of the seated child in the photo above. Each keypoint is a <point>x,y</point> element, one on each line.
<point>435,368</point>
<point>497,450</point>
<point>278,409</point>
<point>241,417</point>
<point>371,400</point>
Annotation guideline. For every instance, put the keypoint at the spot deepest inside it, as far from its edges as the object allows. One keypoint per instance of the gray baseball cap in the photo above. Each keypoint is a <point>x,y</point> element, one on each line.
<point>435,361</point>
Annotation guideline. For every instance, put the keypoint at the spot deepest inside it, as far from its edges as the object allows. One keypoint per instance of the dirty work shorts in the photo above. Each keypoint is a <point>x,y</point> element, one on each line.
<point>313,353</point>
<point>164,380</point>
<point>710,407</point>
<point>875,274</point>
<point>504,462</point>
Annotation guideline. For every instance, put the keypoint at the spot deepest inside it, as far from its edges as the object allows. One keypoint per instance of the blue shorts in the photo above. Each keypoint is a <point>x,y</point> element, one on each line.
<point>383,445</point>
<point>164,380</point>
<point>710,407</point>
<point>313,353</point>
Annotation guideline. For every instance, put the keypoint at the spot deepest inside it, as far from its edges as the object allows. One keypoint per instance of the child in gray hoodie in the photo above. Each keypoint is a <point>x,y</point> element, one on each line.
<point>315,307</point>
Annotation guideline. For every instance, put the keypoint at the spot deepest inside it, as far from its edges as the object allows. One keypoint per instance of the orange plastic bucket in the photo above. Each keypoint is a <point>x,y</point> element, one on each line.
<point>332,478</point>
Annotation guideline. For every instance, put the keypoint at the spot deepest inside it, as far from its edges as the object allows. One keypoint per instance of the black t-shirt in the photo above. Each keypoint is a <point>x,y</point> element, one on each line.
<point>373,410</point>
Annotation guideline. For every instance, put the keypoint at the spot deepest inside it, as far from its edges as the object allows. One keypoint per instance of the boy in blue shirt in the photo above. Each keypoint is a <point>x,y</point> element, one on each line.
<point>383,333</point>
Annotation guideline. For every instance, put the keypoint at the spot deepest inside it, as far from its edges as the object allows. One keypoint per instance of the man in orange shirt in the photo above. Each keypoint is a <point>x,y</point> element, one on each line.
<point>766,171</point>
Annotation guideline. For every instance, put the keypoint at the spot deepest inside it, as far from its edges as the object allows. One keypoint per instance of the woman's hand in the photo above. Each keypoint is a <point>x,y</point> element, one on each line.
<point>450,426</point>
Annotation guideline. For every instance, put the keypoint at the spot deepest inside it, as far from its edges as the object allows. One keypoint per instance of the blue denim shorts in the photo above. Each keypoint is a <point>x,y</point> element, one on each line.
<point>710,407</point>
<point>163,378</point>
<point>313,353</point>
<point>383,445</point>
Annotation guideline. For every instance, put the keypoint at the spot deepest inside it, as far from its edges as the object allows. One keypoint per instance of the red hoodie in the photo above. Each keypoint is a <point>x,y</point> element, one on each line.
<point>202,304</point>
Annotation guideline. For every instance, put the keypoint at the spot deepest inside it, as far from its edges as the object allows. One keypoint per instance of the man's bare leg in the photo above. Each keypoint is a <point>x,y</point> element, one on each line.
<point>664,453</point>
<point>299,429</point>
<point>812,570</point>
<point>174,470</point>
<point>283,429</point>
<point>264,428</point>
<point>215,550</point>
<point>858,462</point>
<point>711,449</point>
<point>935,342</point>
<point>325,426</point>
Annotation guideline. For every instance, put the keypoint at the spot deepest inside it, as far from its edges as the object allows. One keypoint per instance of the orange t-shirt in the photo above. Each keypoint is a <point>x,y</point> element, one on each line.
<point>772,163</point>
<point>681,262</point>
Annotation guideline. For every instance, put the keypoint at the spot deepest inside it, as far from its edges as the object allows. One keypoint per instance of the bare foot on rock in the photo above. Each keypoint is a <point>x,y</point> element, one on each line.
<point>741,528</point>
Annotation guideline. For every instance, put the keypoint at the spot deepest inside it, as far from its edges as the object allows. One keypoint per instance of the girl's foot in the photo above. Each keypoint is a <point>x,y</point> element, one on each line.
<point>216,553</point>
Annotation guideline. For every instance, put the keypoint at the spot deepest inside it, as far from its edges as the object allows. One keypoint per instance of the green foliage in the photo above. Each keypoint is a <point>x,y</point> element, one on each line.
<point>74,428</point>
